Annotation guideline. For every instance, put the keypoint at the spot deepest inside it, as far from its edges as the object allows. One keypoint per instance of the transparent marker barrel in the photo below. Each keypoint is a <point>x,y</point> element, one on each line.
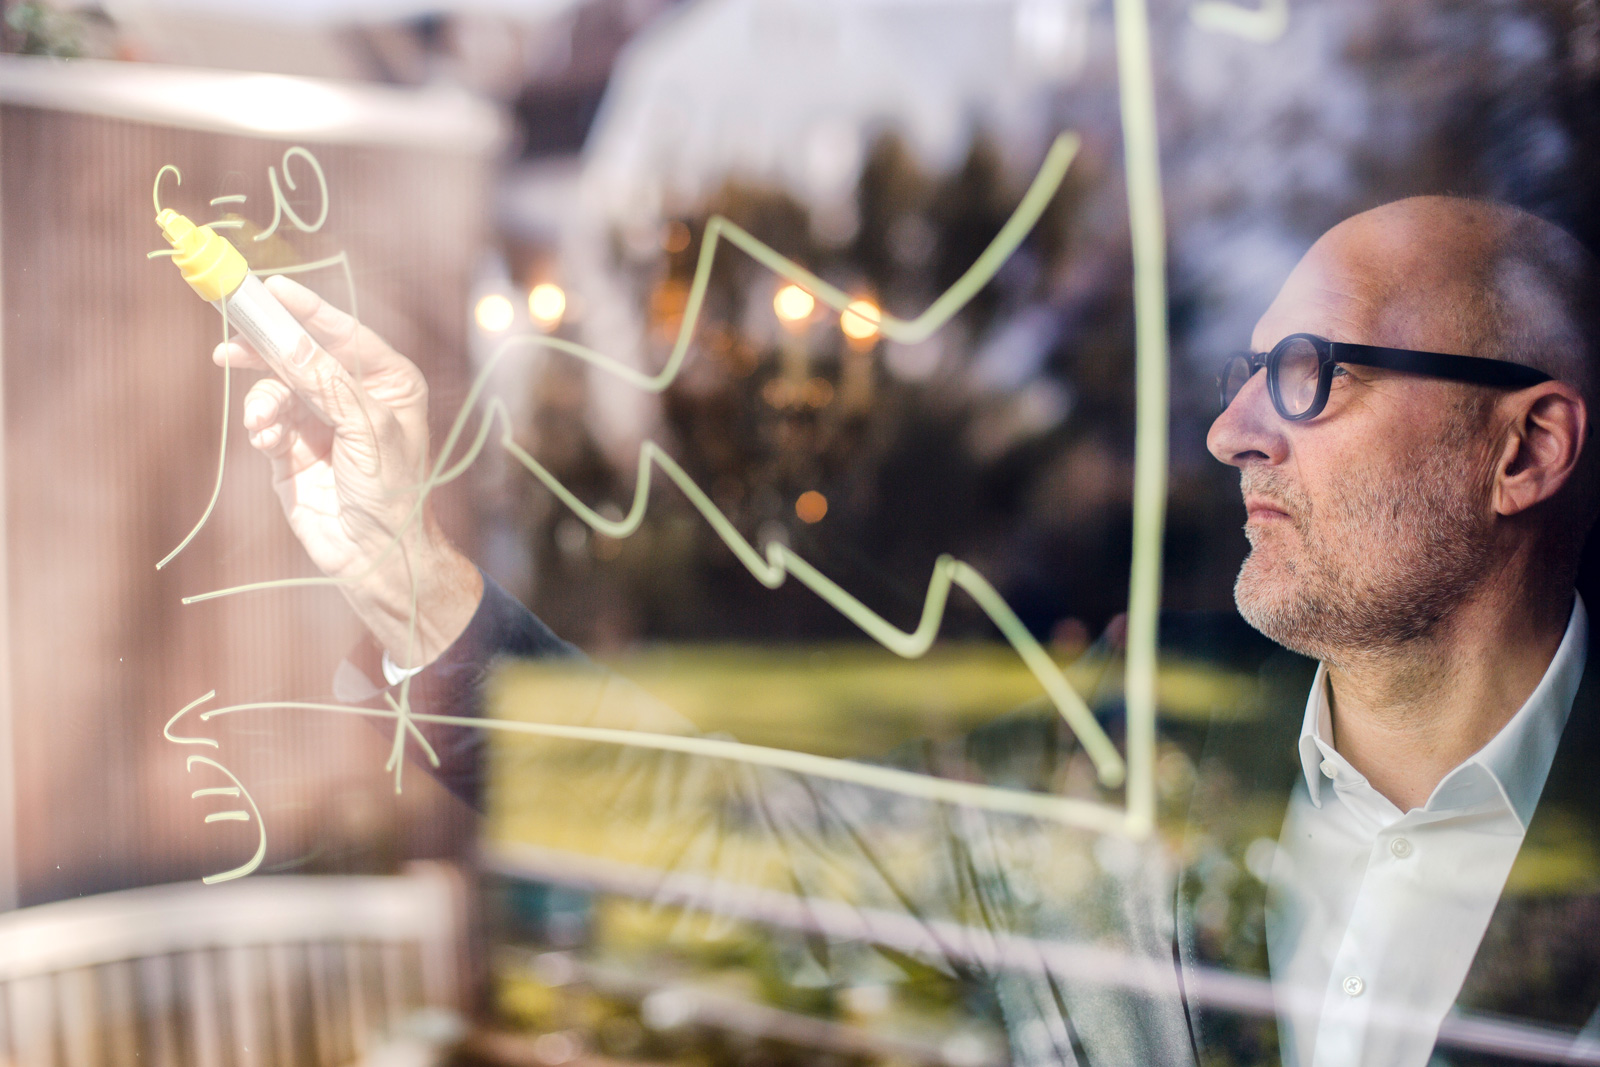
<point>271,330</point>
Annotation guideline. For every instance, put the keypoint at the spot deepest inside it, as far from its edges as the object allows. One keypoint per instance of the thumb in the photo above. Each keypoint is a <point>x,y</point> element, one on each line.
<point>316,377</point>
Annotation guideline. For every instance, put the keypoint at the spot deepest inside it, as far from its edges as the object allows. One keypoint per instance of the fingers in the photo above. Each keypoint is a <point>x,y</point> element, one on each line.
<point>267,409</point>
<point>357,348</point>
<point>352,378</point>
<point>331,397</point>
<point>322,383</point>
<point>238,355</point>
<point>280,426</point>
<point>328,388</point>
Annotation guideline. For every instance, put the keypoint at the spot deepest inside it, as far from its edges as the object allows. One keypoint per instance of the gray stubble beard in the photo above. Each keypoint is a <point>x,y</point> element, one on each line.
<point>1381,567</point>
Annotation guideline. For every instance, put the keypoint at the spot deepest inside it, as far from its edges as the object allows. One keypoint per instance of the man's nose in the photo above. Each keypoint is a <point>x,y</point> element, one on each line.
<point>1249,430</point>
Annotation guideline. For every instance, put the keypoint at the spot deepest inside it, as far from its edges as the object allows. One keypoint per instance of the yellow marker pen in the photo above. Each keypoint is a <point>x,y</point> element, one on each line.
<point>216,270</point>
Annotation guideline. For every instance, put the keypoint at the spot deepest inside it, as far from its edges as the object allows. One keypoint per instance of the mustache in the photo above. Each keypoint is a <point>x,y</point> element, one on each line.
<point>1272,485</point>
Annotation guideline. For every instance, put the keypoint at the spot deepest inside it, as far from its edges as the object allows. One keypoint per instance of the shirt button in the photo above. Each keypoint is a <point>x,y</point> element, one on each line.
<point>1327,768</point>
<point>1400,847</point>
<point>1353,986</point>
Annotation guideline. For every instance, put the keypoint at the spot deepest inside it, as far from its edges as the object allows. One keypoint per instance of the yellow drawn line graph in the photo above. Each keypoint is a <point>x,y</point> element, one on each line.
<point>780,562</point>
<point>1147,225</point>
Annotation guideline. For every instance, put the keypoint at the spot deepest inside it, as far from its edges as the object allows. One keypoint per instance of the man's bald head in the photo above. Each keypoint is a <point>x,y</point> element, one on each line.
<point>1475,278</point>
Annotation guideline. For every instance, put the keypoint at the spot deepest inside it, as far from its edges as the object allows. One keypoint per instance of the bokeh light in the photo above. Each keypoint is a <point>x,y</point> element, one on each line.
<point>547,303</point>
<point>811,506</point>
<point>494,313</point>
<point>859,320</point>
<point>793,303</point>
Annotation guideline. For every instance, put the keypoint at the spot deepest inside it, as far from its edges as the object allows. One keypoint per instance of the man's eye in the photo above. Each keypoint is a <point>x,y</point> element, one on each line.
<point>1339,371</point>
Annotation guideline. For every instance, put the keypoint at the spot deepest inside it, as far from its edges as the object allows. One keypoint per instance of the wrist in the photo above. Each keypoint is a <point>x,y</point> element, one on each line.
<point>432,579</point>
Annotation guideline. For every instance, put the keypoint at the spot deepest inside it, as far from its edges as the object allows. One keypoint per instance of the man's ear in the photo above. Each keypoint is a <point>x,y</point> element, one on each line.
<point>1544,436</point>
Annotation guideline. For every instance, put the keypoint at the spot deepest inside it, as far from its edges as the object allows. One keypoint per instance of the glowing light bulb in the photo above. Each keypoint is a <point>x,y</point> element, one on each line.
<point>811,506</point>
<point>547,303</point>
<point>859,320</point>
<point>494,313</point>
<point>793,303</point>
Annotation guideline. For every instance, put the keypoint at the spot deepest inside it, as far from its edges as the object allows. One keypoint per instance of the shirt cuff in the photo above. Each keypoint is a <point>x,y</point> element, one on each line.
<point>501,626</point>
<point>395,675</point>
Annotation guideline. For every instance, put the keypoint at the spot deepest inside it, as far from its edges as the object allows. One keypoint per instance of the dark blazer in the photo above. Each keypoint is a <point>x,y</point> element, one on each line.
<point>1538,965</point>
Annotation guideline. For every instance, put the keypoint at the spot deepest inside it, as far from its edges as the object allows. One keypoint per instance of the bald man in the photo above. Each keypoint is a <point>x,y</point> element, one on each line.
<point>1411,440</point>
<point>1420,833</point>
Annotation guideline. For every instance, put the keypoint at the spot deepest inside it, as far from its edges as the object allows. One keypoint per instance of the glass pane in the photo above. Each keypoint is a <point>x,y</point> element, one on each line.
<point>722,533</point>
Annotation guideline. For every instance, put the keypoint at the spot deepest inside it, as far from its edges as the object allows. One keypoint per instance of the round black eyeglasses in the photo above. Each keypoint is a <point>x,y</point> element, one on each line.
<point>1300,371</point>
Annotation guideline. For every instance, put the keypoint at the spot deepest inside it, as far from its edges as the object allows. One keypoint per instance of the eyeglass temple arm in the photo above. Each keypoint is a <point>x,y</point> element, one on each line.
<point>1474,369</point>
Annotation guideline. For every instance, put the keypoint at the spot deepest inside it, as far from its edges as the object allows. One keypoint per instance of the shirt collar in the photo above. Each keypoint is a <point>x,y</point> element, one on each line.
<point>1317,726</point>
<point>1517,758</point>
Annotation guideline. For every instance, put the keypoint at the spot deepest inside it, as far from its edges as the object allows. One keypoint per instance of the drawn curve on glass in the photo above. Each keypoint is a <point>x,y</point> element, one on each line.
<point>236,790</point>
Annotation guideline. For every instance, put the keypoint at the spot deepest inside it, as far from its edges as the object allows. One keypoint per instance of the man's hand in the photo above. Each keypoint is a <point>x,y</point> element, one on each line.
<point>348,485</point>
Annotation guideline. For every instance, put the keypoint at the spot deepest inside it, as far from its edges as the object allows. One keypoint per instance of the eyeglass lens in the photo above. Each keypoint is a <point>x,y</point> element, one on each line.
<point>1298,369</point>
<point>1234,375</point>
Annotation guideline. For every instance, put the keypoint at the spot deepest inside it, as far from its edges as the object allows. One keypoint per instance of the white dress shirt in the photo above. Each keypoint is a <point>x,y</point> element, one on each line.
<point>1374,915</point>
